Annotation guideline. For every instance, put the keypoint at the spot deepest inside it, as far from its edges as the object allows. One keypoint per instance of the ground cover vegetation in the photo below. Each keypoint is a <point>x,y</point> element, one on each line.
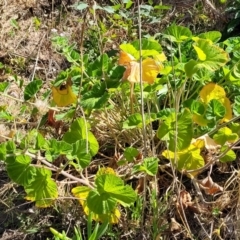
<point>119,119</point>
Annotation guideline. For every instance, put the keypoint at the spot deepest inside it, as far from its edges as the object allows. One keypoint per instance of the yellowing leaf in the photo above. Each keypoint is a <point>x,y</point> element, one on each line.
<point>201,55</point>
<point>105,170</point>
<point>82,193</point>
<point>187,159</point>
<point>63,95</point>
<point>214,91</point>
<point>200,120</point>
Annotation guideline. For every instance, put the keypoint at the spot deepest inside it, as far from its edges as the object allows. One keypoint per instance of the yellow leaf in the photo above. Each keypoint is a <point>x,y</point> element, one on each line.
<point>125,58</point>
<point>209,143</point>
<point>199,143</point>
<point>63,95</point>
<point>212,91</point>
<point>150,70</point>
<point>160,57</point>
<point>201,55</point>
<point>227,105</point>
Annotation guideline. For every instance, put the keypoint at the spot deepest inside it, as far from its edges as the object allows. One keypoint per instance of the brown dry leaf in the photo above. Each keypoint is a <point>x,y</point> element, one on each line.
<point>140,185</point>
<point>52,122</point>
<point>175,226</point>
<point>209,186</point>
<point>223,201</point>
<point>185,199</point>
<point>200,208</point>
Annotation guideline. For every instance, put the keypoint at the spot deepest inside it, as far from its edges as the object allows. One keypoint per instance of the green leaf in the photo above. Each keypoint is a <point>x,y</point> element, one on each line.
<point>31,89</point>
<point>235,127</point>
<point>33,141</point>
<point>42,190</point>
<point>56,148</point>
<point>167,130</point>
<point>190,67</point>
<point>3,151</point>
<point>104,62</point>
<point>215,110</point>
<point>96,98</point>
<point>128,4</point>
<point>80,130</point>
<point>130,154</point>
<point>4,115</point>
<point>225,135</point>
<point>149,166</point>
<point>150,45</point>
<point>178,33</point>
<point>113,187</point>
<point>229,156</point>
<point>130,49</point>
<point>40,141</point>
<point>3,86</point>
<point>195,106</point>
<point>214,36</point>
<point>233,75</point>
<point>133,121</point>
<point>20,170</point>
<point>79,153</point>
<point>100,203</point>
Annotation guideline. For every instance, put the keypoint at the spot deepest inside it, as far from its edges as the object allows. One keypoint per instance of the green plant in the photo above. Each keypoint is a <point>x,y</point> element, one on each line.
<point>185,85</point>
<point>96,234</point>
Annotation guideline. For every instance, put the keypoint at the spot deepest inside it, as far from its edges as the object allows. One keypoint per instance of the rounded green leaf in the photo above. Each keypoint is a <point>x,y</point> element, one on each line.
<point>43,190</point>
<point>229,156</point>
<point>225,135</point>
<point>130,154</point>
<point>178,33</point>
<point>215,110</point>
<point>80,130</point>
<point>31,89</point>
<point>100,203</point>
<point>20,171</point>
<point>180,127</point>
<point>114,186</point>
<point>214,36</point>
